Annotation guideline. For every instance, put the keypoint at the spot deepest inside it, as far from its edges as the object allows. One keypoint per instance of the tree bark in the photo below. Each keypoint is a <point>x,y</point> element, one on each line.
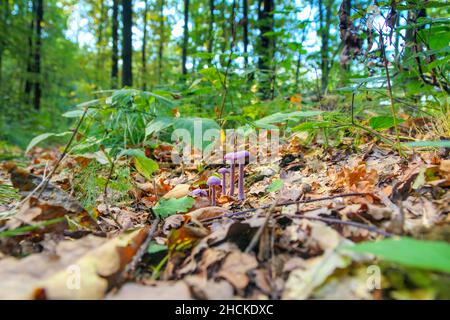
<point>115,47</point>
<point>144,48</point>
<point>161,41</point>
<point>127,43</point>
<point>30,67</point>
<point>211,27</point>
<point>325,37</point>
<point>185,38</point>
<point>100,41</point>
<point>245,30</point>
<point>37,54</point>
<point>266,46</point>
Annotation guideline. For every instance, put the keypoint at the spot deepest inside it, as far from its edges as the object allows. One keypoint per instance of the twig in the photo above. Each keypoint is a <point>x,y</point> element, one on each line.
<point>239,213</point>
<point>66,149</point>
<point>131,267</point>
<point>350,223</point>
<point>258,233</point>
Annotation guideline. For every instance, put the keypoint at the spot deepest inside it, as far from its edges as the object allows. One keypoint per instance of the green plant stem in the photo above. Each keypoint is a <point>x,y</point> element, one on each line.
<point>391,97</point>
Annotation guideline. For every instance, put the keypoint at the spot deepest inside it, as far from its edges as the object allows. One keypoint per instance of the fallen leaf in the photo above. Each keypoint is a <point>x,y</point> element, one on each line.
<point>162,290</point>
<point>235,269</point>
<point>81,269</point>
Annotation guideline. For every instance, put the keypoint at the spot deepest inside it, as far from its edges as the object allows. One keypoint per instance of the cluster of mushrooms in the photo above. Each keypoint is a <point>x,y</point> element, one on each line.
<point>213,181</point>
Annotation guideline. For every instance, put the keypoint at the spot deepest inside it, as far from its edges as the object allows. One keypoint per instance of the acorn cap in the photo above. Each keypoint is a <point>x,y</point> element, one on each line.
<point>213,181</point>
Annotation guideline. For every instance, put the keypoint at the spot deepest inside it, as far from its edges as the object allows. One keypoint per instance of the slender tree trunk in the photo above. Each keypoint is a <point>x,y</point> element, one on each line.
<point>37,54</point>
<point>325,35</point>
<point>185,37</point>
<point>211,27</point>
<point>115,47</point>
<point>4,13</point>
<point>161,41</point>
<point>100,41</point>
<point>30,66</point>
<point>127,43</point>
<point>245,30</point>
<point>144,48</point>
<point>266,46</point>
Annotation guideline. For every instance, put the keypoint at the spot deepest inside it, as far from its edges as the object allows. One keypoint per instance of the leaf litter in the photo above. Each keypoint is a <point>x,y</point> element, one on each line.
<point>304,213</point>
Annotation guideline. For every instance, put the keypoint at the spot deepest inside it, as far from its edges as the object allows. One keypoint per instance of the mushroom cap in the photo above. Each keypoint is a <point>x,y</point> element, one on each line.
<point>199,192</point>
<point>223,170</point>
<point>241,154</point>
<point>230,156</point>
<point>213,181</point>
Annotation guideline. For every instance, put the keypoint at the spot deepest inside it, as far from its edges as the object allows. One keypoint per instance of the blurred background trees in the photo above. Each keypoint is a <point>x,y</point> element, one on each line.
<point>217,55</point>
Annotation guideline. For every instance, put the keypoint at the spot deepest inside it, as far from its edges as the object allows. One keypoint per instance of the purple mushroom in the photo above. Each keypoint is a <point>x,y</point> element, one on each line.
<point>199,193</point>
<point>240,157</point>
<point>212,182</point>
<point>223,172</point>
<point>231,157</point>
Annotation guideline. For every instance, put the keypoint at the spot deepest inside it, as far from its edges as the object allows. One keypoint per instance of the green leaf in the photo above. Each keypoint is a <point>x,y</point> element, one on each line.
<point>196,127</point>
<point>42,137</point>
<point>154,247</point>
<point>158,124</point>
<point>427,143</point>
<point>429,255</point>
<point>165,208</point>
<point>267,122</point>
<point>144,165</point>
<point>383,122</point>
<point>275,185</point>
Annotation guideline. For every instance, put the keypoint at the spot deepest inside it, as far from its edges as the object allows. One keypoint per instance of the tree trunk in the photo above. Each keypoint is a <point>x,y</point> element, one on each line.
<point>144,48</point>
<point>211,27</point>
<point>30,66</point>
<point>185,37</point>
<point>245,30</point>
<point>127,43</point>
<point>4,13</point>
<point>37,54</point>
<point>115,47</point>
<point>266,46</point>
<point>325,36</point>
<point>161,41</point>
<point>100,41</point>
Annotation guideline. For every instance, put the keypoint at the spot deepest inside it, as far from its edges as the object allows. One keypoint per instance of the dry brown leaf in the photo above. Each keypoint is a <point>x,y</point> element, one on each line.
<point>162,290</point>
<point>204,289</point>
<point>180,190</point>
<point>235,268</point>
<point>80,269</point>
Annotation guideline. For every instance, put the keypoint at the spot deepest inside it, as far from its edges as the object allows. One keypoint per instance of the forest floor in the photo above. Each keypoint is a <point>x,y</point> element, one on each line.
<point>291,238</point>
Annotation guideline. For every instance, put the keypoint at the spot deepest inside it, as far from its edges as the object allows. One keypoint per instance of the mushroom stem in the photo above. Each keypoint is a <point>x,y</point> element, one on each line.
<point>241,196</point>
<point>213,195</point>
<point>232,178</point>
<point>224,184</point>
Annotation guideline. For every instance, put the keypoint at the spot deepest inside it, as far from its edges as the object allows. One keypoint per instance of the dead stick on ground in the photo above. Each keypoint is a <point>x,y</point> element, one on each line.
<point>350,223</point>
<point>131,267</point>
<point>240,213</point>
<point>258,233</point>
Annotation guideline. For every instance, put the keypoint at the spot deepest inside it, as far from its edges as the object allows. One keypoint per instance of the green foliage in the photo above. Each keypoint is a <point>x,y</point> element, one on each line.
<point>154,247</point>
<point>8,193</point>
<point>432,144</point>
<point>165,208</point>
<point>429,255</point>
<point>383,122</point>
<point>275,185</point>
<point>144,165</point>
<point>36,140</point>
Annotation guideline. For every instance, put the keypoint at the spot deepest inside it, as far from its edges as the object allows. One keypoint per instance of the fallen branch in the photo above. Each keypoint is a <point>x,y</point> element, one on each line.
<point>131,267</point>
<point>349,223</point>
<point>240,213</point>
